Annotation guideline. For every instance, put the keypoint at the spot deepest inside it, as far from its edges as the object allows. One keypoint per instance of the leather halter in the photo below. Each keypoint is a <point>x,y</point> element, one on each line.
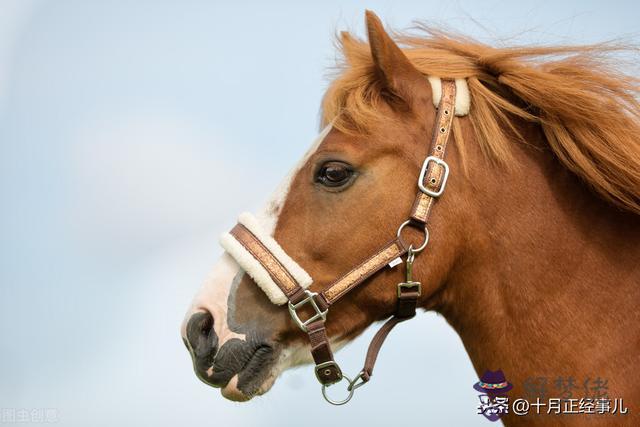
<point>431,183</point>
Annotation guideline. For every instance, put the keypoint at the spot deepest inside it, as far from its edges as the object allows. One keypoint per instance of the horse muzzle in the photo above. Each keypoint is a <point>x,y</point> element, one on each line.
<point>239,367</point>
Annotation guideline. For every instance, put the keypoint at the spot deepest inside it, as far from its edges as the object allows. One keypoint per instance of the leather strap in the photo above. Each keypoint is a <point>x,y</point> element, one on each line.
<point>376,345</point>
<point>327,370</point>
<point>435,173</point>
<point>278,272</point>
<point>363,271</point>
<point>406,309</point>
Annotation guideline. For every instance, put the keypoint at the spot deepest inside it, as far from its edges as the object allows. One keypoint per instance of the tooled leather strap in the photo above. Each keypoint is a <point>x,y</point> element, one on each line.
<point>343,285</point>
<point>278,272</point>
<point>434,174</point>
<point>435,170</point>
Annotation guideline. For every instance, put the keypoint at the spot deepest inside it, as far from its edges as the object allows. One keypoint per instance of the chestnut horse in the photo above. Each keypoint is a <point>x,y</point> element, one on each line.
<point>534,256</point>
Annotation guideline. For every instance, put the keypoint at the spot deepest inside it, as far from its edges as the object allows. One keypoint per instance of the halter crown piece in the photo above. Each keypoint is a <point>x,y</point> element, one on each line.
<point>284,281</point>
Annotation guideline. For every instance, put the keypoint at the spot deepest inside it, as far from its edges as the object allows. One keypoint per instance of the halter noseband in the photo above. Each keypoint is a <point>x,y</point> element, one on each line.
<point>284,281</point>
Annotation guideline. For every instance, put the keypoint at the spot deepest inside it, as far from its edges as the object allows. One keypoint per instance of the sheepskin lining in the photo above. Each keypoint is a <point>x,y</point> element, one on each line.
<point>255,269</point>
<point>463,99</point>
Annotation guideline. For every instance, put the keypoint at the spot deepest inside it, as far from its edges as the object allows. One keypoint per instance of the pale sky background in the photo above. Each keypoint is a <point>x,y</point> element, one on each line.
<point>121,129</point>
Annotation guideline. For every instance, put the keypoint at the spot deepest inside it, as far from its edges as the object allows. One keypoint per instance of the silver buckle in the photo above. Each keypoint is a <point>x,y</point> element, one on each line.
<point>309,299</point>
<point>423,172</point>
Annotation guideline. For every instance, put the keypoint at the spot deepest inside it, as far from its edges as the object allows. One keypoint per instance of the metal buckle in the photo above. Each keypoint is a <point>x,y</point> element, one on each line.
<point>409,285</point>
<point>423,172</point>
<point>309,299</point>
<point>327,365</point>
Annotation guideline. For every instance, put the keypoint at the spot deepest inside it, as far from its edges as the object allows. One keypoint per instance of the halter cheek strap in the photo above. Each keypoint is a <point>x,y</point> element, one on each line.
<point>284,281</point>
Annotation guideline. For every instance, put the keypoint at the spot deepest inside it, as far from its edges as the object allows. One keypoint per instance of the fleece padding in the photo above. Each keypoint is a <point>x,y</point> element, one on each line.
<point>463,98</point>
<point>251,265</point>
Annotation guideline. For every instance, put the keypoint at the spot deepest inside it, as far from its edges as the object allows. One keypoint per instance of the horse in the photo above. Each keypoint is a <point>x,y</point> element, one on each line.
<point>532,255</point>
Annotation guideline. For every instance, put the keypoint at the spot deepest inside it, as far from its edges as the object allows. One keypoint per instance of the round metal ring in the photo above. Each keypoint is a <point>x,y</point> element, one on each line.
<point>338,402</point>
<point>426,236</point>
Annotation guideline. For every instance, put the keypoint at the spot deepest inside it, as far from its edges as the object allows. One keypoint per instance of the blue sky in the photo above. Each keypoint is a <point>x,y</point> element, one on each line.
<point>121,129</point>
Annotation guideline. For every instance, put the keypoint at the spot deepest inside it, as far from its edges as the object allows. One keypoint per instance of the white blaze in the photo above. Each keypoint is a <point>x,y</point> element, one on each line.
<point>270,213</point>
<point>214,294</point>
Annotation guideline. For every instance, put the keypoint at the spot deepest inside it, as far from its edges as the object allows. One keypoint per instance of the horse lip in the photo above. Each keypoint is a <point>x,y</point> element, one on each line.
<point>259,357</point>
<point>255,365</point>
<point>255,371</point>
<point>205,374</point>
<point>206,380</point>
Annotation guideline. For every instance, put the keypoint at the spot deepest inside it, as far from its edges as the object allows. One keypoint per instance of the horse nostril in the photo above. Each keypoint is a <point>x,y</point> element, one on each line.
<point>202,337</point>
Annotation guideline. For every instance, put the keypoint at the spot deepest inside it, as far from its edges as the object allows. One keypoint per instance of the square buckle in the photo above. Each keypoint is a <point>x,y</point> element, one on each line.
<point>330,365</point>
<point>308,300</point>
<point>423,172</point>
<point>416,286</point>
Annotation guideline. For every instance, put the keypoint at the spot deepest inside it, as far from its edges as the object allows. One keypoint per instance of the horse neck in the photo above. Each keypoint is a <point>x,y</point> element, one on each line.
<point>549,274</point>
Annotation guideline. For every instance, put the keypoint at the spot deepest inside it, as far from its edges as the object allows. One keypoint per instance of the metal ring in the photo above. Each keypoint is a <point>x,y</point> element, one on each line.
<point>338,402</point>
<point>426,236</point>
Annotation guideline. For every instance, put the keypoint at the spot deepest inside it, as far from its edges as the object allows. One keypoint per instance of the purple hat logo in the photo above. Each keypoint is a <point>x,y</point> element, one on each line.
<point>493,401</point>
<point>493,383</point>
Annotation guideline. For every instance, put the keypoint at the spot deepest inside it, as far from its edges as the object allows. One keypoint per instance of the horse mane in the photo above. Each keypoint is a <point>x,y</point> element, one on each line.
<point>587,109</point>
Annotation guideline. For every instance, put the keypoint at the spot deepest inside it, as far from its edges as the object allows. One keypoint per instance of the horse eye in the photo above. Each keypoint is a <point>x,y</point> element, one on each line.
<point>334,174</point>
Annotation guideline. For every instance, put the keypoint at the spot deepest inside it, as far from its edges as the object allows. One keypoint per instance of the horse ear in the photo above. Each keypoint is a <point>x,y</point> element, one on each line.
<point>394,68</point>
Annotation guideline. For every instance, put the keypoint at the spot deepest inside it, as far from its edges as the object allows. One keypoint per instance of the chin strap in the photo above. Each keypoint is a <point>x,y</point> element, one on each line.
<point>284,281</point>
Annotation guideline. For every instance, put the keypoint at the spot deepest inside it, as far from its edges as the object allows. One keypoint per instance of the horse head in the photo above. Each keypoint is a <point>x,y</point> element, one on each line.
<point>345,199</point>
